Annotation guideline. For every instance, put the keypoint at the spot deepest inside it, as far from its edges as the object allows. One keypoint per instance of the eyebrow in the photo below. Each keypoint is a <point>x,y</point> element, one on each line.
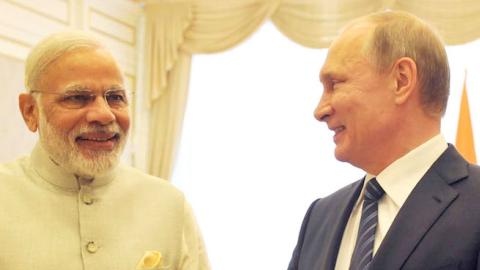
<point>80,88</point>
<point>75,88</point>
<point>115,87</point>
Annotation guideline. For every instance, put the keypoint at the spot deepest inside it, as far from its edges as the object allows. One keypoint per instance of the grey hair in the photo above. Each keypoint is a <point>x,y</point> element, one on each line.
<point>399,34</point>
<point>53,47</point>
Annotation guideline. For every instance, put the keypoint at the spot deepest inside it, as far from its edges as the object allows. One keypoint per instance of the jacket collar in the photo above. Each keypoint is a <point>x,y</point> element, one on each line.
<point>428,200</point>
<point>58,177</point>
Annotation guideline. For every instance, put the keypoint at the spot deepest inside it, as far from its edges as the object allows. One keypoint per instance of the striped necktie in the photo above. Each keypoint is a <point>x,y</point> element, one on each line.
<point>362,255</point>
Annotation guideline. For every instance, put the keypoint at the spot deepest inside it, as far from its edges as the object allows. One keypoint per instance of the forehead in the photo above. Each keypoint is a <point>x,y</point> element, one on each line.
<point>92,67</point>
<point>347,50</point>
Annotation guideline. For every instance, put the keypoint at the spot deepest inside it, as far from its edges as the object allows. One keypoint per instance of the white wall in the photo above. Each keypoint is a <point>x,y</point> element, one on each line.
<point>24,22</point>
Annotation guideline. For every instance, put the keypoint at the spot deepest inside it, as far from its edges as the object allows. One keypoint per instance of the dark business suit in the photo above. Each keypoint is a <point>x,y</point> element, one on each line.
<point>438,227</point>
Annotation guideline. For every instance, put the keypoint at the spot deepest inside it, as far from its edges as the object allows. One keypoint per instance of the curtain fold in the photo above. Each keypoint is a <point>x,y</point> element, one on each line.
<point>176,29</point>
<point>457,21</point>
<point>167,113</point>
<point>314,24</point>
<point>166,22</point>
<point>220,26</point>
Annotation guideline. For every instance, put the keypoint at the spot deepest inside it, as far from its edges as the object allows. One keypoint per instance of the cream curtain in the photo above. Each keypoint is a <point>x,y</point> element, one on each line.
<point>176,29</point>
<point>315,23</point>
<point>458,21</point>
<point>166,118</point>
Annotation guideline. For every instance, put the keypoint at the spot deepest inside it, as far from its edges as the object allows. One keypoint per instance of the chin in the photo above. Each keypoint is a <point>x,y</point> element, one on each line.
<point>340,154</point>
<point>96,162</point>
<point>91,163</point>
<point>92,155</point>
<point>95,166</point>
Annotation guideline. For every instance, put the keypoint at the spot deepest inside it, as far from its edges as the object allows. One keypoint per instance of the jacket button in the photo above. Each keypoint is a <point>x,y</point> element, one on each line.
<point>87,199</point>
<point>92,247</point>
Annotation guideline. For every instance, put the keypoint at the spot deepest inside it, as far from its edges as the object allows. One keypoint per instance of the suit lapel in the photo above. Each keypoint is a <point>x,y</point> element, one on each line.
<point>336,226</point>
<point>428,200</point>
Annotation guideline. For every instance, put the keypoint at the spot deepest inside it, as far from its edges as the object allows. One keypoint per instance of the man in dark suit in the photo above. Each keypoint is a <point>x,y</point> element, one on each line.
<point>386,84</point>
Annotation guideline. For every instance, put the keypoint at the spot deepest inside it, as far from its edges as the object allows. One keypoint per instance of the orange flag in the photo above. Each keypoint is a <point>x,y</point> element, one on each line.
<point>464,142</point>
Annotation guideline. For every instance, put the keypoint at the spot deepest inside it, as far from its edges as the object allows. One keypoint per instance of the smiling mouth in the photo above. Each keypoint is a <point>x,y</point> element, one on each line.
<point>98,142</point>
<point>338,129</point>
<point>101,138</point>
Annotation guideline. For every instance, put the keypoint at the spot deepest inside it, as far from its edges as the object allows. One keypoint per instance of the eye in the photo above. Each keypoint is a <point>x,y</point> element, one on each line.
<point>77,100</point>
<point>336,83</point>
<point>116,98</point>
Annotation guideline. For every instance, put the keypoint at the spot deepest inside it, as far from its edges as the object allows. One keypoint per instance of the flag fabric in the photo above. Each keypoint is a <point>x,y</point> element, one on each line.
<point>464,142</point>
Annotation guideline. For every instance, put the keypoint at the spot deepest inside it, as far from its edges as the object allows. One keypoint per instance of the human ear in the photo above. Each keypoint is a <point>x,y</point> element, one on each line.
<point>29,109</point>
<point>405,74</point>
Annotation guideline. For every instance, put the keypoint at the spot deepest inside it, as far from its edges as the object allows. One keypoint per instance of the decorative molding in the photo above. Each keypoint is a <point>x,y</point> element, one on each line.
<point>15,40</point>
<point>119,24</point>
<point>23,4</point>
<point>13,48</point>
<point>122,10</point>
<point>24,25</point>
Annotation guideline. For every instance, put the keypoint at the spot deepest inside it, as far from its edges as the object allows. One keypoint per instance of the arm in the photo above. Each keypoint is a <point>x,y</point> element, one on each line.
<point>298,249</point>
<point>194,255</point>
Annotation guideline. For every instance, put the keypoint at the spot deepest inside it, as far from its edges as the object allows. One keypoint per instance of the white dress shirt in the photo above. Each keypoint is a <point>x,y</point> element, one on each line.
<point>398,180</point>
<point>52,220</point>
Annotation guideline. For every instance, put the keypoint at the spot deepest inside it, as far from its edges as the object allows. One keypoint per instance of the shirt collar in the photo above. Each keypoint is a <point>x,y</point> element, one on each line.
<point>58,177</point>
<point>400,178</point>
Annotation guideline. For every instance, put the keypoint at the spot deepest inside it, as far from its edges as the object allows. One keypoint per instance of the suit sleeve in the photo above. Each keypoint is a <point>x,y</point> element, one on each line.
<point>478,261</point>
<point>298,249</point>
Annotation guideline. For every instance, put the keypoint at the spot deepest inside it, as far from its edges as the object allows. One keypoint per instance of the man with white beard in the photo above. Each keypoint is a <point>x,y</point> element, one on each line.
<point>69,205</point>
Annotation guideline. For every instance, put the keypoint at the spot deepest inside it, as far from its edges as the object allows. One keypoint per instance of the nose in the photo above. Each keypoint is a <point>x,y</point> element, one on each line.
<point>100,112</point>
<point>324,109</point>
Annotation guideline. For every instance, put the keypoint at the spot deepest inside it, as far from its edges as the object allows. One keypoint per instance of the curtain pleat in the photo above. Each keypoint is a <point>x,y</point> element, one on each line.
<point>220,27</point>
<point>457,21</point>
<point>314,24</point>
<point>167,113</point>
<point>165,26</point>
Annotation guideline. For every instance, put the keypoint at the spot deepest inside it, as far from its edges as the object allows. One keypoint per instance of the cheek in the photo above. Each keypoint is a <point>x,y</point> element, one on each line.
<point>348,103</point>
<point>123,120</point>
<point>64,121</point>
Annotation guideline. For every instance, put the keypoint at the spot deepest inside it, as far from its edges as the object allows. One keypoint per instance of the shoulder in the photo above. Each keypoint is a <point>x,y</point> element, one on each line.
<point>13,179</point>
<point>472,185</point>
<point>14,168</point>
<point>474,171</point>
<point>146,185</point>
<point>331,207</point>
<point>336,199</point>
<point>454,170</point>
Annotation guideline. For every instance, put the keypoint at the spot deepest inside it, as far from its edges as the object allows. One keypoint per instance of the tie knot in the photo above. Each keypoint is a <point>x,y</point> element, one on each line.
<point>373,191</point>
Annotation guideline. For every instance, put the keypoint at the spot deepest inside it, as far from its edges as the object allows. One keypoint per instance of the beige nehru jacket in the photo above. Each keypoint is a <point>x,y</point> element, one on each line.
<point>398,181</point>
<point>51,220</point>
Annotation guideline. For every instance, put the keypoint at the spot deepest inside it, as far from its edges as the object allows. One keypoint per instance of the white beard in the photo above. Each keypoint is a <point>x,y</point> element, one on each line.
<point>63,149</point>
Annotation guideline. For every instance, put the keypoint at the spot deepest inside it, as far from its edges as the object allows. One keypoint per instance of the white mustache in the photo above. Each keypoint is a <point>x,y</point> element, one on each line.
<point>112,128</point>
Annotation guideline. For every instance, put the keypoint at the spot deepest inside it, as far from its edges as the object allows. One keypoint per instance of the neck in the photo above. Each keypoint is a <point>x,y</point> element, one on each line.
<point>408,136</point>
